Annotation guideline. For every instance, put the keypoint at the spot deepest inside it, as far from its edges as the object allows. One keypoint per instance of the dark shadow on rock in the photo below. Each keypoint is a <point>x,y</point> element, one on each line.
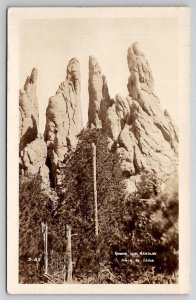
<point>30,134</point>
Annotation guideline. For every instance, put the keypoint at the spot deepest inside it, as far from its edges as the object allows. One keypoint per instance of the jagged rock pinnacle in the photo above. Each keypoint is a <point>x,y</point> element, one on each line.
<point>140,72</point>
<point>98,90</point>
<point>137,128</point>
<point>28,110</point>
<point>33,150</point>
<point>63,116</point>
<point>73,74</point>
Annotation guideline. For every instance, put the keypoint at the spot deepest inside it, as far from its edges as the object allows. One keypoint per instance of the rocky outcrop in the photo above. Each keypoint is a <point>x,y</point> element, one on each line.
<point>143,135</point>
<point>98,90</point>
<point>32,149</point>
<point>141,88</point>
<point>33,160</point>
<point>28,111</point>
<point>63,117</point>
<point>114,113</point>
<point>140,73</point>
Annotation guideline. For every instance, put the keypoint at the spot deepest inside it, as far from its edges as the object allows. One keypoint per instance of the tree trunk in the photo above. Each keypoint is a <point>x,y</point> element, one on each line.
<point>45,236</point>
<point>69,254</point>
<point>95,189</point>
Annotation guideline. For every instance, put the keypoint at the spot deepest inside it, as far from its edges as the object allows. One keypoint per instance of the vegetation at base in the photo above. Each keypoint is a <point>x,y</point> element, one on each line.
<point>142,221</point>
<point>33,210</point>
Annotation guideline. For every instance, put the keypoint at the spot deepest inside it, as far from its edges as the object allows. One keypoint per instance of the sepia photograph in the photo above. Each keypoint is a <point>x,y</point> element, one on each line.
<point>98,121</point>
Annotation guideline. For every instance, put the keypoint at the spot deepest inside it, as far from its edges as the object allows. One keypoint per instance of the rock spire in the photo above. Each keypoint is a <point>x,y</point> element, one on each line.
<point>137,128</point>
<point>64,117</point>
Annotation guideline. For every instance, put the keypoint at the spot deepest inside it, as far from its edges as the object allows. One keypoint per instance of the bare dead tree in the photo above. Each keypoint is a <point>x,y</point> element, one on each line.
<point>45,237</point>
<point>95,189</point>
<point>69,254</point>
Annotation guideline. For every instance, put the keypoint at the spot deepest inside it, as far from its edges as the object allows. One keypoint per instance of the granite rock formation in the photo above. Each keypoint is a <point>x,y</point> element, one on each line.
<point>28,111</point>
<point>32,148</point>
<point>64,117</point>
<point>33,160</point>
<point>143,135</point>
<point>98,90</point>
<point>140,73</point>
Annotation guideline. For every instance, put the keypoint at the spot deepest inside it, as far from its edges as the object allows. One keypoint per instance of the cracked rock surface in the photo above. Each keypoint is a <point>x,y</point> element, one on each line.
<point>63,116</point>
<point>137,128</point>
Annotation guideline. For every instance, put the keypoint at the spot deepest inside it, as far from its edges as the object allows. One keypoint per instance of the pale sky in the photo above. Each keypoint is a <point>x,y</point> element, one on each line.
<point>49,44</point>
